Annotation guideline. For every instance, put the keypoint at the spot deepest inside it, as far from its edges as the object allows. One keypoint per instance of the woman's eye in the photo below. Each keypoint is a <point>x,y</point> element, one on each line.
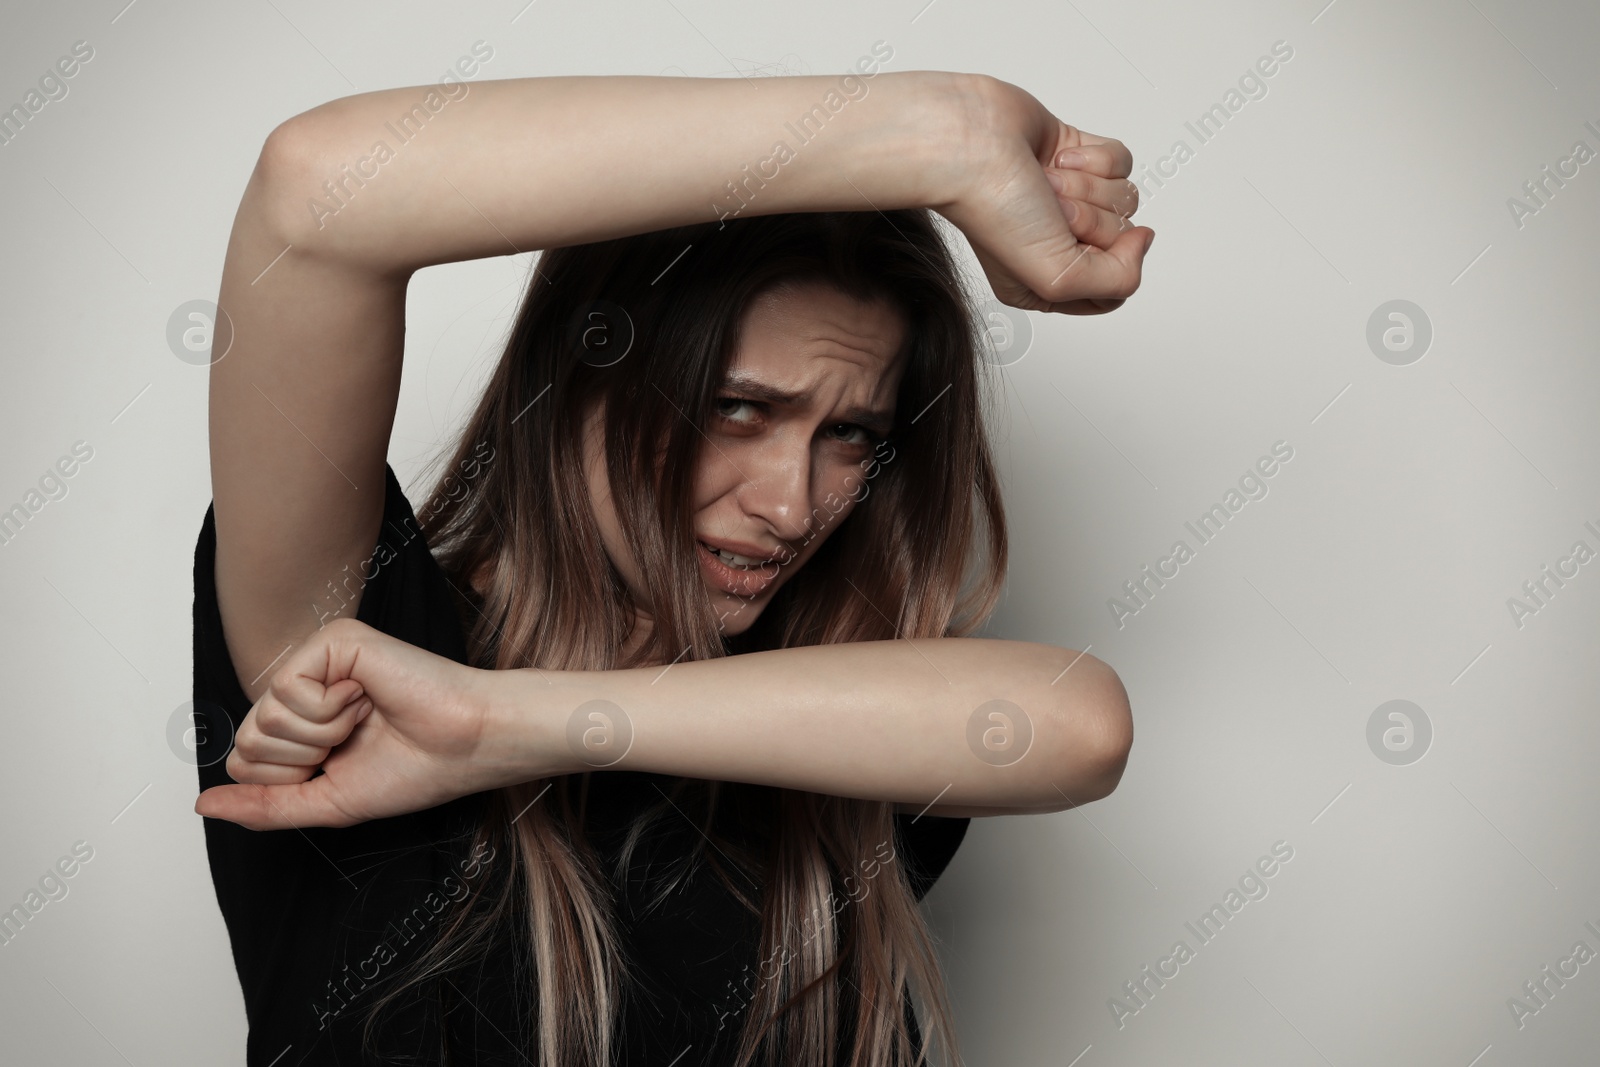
<point>728,407</point>
<point>854,435</point>
<point>747,413</point>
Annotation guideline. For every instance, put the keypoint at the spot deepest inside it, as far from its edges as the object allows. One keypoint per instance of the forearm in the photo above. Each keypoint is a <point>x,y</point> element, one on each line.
<point>881,720</point>
<point>532,163</point>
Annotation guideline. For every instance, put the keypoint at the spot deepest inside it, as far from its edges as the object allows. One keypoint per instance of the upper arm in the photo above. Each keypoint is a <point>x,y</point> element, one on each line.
<point>300,410</point>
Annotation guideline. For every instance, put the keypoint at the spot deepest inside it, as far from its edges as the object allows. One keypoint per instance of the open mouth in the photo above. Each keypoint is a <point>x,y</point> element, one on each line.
<point>735,574</point>
<point>733,559</point>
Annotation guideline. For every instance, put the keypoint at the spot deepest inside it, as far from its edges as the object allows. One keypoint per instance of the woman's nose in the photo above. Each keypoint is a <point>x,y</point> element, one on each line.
<point>778,488</point>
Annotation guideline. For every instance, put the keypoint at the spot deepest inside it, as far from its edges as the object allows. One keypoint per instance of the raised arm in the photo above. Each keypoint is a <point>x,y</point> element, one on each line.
<point>314,282</point>
<point>532,163</point>
<point>950,726</point>
<point>914,723</point>
<point>303,403</point>
<point>339,212</point>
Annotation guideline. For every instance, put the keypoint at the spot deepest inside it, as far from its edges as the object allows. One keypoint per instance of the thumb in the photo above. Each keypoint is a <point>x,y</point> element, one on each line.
<point>343,692</point>
<point>274,807</point>
<point>1025,234</point>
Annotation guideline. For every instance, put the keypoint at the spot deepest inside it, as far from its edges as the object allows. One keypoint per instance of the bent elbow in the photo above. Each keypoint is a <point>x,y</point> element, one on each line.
<point>1108,742</point>
<point>1114,750</point>
<point>297,182</point>
<point>282,182</point>
<point>1096,731</point>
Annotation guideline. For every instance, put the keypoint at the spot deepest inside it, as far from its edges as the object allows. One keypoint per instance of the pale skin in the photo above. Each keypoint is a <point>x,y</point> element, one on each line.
<point>302,406</point>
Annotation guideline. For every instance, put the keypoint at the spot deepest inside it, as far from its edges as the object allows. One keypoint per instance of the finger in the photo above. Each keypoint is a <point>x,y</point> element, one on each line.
<point>1100,279</point>
<point>1085,307</point>
<point>1107,158</point>
<point>258,748</point>
<point>1095,225</point>
<point>1020,296</point>
<point>310,699</point>
<point>275,807</point>
<point>273,720</point>
<point>1117,195</point>
<point>243,769</point>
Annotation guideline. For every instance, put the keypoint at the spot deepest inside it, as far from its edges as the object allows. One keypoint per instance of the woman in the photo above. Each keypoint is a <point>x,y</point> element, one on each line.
<point>613,754</point>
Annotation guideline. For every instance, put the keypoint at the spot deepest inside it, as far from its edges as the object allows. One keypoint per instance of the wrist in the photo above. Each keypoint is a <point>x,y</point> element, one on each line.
<point>525,714</point>
<point>905,142</point>
<point>963,118</point>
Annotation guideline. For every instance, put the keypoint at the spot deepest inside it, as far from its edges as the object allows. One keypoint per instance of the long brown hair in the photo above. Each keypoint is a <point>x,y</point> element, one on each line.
<point>649,324</point>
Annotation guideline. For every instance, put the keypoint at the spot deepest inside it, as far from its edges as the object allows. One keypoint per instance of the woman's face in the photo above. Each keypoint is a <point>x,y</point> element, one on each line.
<point>786,457</point>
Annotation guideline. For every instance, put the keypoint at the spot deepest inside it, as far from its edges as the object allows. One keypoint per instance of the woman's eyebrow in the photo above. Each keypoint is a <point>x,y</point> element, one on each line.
<point>876,420</point>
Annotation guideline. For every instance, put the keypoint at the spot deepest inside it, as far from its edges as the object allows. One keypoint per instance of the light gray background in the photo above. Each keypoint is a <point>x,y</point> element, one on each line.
<point>1419,499</point>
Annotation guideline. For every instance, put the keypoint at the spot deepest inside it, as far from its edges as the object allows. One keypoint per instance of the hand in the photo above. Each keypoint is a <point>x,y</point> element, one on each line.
<point>394,728</point>
<point>1050,234</point>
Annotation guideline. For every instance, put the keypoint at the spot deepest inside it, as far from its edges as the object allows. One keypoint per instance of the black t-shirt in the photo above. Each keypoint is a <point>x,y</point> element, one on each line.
<point>320,918</point>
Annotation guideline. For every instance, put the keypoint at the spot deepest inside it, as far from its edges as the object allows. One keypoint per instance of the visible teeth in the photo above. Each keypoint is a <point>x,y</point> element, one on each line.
<point>733,559</point>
